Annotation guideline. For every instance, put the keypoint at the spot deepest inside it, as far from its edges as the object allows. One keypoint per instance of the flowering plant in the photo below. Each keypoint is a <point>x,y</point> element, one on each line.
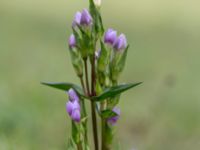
<point>106,52</point>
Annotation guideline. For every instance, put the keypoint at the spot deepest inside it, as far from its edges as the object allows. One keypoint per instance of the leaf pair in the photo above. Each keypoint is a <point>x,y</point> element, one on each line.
<point>107,93</point>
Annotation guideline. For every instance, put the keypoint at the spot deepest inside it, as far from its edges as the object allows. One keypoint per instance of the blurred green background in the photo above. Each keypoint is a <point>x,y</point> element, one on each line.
<point>161,114</point>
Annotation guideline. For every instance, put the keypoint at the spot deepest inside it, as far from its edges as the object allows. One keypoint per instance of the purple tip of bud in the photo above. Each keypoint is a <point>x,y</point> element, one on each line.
<point>72,95</point>
<point>120,43</point>
<point>76,115</point>
<point>110,36</point>
<point>69,107</point>
<point>86,18</point>
<point>113,120</point>
<point>77,19</point>
<point>72,41</point>
<point>73,109</point>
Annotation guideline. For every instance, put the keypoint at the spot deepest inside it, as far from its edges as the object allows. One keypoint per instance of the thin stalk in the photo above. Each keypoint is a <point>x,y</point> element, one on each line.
<point>103,146</point>
<point>76,135</point>
<point>79,146</point>
<point>93,105</point>
<point>86,77</point>
<point>84,110</point>
<point>83,85</point>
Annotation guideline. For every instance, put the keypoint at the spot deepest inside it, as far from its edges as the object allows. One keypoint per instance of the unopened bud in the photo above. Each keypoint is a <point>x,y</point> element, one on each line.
<point>97,3</point>
<point>72,95</point>
<point>113,120</point>
<point>110,36</point>
<point>72,41</point>
<point>120,43</point>
<point>86,18</point>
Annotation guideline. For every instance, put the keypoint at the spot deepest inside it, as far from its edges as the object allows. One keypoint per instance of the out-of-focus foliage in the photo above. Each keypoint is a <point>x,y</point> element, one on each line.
<point>161,114</point>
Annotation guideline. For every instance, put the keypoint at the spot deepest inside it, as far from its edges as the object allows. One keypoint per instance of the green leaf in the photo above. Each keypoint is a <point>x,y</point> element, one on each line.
<point>64,86</point>
<point>108,114</point>
<point>115,90</point>
<point>98,24</point>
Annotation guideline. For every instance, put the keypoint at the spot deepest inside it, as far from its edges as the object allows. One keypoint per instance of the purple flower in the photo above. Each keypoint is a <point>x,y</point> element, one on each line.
<point>76,115</point>
<point>73,109</point>
<point>72,95</point>
<point>110,36</point>
<point>86,18</point>
<point>120,43</point>
<point>71,106</point>
<point>82,18</point>
<point>113,120</point>
<point>77,19</point>
<point>72,41</point>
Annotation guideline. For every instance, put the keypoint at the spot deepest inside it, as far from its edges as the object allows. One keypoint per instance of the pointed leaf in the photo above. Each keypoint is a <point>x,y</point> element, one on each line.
<point>64,86</point>
<point>115,90</point>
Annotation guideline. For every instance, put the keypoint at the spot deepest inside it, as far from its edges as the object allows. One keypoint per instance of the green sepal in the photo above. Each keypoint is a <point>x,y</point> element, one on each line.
<point>78,38</point>
<point>122,61</point>
<point>83,40</point>
<point>118,63</point>
<point>108,114</point>
<point>98,25</point>
<point>112,102</point>
<point>75,132</point>
<point>114,91</point>
<point>98,88</point>
<point>103,60</point>
<point>71,144</point>
<point>77,61</point>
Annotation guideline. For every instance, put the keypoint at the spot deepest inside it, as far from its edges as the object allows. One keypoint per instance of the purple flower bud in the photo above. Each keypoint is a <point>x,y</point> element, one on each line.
<point>72,41</point>
<point>70,106</point>
<point>73,109</point>
<point>72,95</point>
<point>77,19</point>
<point>120,43</point>
<point>110,36</point>
<point>113,120</point>
<point>86,18</point>
<point>76,115</point>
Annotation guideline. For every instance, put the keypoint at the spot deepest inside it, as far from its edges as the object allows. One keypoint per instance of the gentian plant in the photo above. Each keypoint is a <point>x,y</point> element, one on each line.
<point>105,52</point>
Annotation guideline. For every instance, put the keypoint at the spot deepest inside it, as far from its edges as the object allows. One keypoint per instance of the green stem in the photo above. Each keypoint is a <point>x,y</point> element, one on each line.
<point>103,146</point>
<point>76,136</point>
<point>79,146</point>
<point>86,77</point>
<point>84,112</point>
<point>93,104</point>
<point>107,136</point>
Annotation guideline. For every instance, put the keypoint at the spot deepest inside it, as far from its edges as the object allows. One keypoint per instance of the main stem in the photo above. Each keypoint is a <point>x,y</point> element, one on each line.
<point>93,104</point>
<point>92,93</point>
<point>86,77</point>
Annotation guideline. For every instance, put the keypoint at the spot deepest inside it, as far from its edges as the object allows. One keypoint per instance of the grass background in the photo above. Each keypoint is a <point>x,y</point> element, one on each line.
<point>162,114</point>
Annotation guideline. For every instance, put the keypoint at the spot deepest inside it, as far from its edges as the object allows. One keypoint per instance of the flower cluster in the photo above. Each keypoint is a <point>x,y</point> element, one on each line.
<point>73,106</point>
<point>98,58</point>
